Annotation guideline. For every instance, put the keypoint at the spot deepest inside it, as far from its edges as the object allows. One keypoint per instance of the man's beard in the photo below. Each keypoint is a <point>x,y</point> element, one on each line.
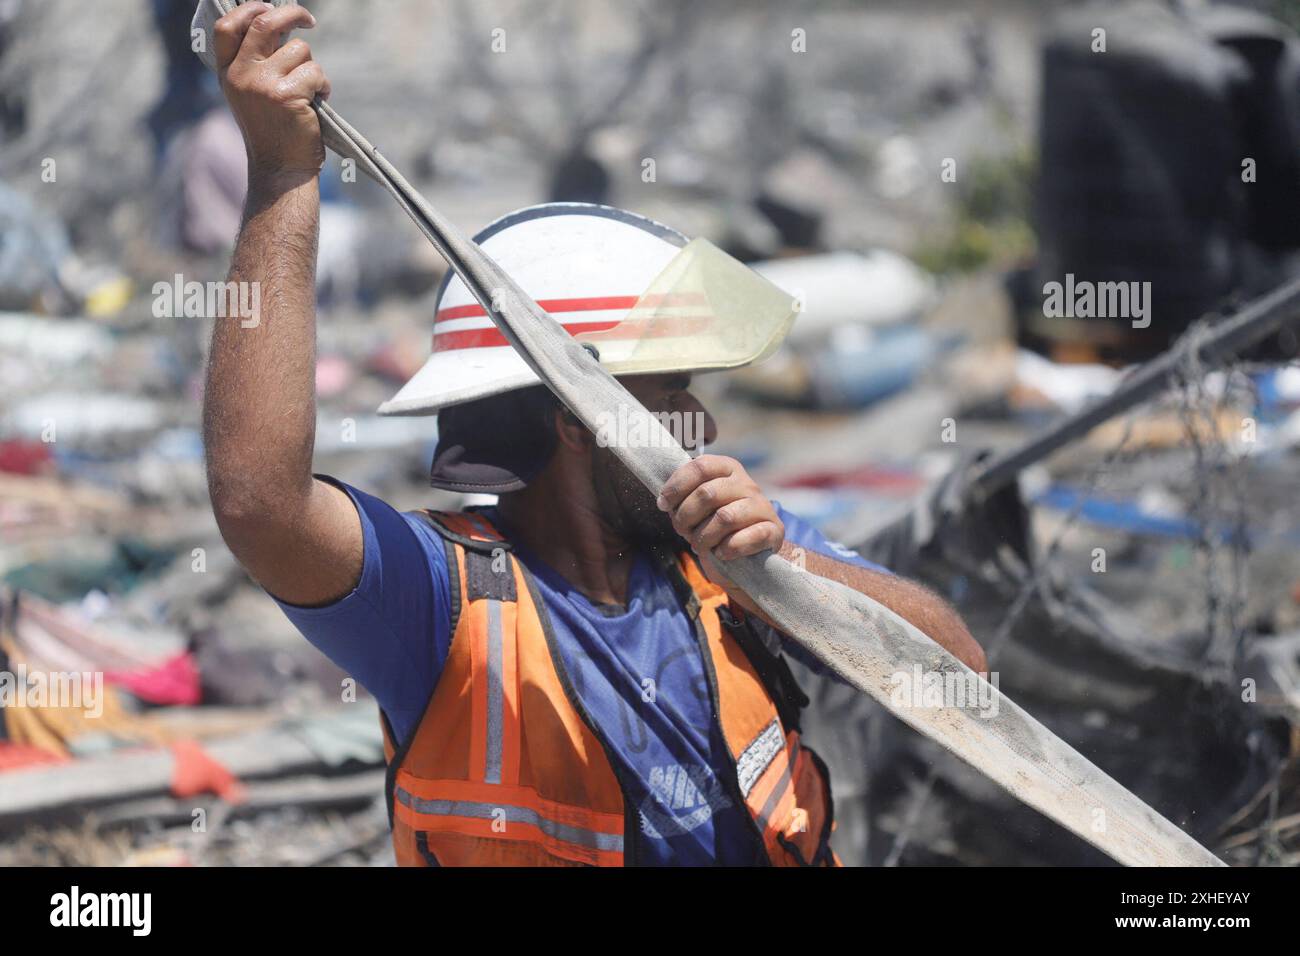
<point>627,505</point>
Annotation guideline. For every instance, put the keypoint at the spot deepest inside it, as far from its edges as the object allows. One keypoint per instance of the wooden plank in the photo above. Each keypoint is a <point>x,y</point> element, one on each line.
<point>133,775</point>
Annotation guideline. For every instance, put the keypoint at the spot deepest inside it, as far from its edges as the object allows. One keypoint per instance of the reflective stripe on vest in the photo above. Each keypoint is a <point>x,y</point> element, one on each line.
<point>512,814</point>
<point>493,696</point>
<point>758,756</point>
<point>478,811</point>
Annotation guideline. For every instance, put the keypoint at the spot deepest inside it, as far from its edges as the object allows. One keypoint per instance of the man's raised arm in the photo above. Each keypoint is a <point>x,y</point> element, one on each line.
<point>300,538</point>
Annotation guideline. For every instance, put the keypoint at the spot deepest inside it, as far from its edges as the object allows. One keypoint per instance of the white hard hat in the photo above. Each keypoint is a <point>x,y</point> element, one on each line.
<point>586,265</point>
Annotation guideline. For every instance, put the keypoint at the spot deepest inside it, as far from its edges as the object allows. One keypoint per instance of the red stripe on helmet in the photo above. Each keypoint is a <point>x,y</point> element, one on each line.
<point>591,304</point>
<point>487,338</point>
<point>490,337</point>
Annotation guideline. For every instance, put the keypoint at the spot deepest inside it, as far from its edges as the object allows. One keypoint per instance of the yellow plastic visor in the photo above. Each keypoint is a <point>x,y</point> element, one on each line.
<point>705,310</point>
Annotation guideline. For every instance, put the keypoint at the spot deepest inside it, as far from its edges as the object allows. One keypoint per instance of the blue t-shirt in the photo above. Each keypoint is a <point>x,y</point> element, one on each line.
<point>638,671</point>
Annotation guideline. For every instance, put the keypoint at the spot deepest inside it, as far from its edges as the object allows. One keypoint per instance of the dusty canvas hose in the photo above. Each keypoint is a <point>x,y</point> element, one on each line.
<point>862,641</point>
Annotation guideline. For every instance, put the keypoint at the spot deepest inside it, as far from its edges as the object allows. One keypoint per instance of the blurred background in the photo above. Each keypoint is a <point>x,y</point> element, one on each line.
<point>914,171</point>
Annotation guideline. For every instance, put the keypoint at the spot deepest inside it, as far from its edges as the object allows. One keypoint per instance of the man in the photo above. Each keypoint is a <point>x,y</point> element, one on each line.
<point>561,681</point>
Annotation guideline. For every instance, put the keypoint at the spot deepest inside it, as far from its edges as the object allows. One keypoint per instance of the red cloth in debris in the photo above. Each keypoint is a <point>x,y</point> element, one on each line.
<point>21,457</point>
<point>196,771</point>
<point>868,476</point>
<point>23,756</point>
<point>175,682</point>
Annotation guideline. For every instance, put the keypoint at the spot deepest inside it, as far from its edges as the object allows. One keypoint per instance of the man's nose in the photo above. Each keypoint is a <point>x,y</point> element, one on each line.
<point>706,430</point>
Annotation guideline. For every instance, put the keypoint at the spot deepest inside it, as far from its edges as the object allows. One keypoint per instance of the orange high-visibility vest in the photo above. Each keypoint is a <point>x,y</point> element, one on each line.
<point>507,769</point>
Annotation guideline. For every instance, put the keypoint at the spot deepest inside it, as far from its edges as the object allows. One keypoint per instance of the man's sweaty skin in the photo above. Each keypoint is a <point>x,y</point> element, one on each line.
<point>585,514</point>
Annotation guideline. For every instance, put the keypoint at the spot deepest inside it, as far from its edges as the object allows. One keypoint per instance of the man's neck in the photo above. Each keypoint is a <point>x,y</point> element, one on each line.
<point>568,534</point>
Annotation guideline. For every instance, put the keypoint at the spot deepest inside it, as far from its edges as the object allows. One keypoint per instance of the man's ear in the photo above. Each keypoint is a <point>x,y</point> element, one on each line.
<point>571,433</point>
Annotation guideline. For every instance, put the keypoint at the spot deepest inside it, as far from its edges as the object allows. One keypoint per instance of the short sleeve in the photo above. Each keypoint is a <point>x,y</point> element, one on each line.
<point>804,535</point>
<point>393,631</point>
